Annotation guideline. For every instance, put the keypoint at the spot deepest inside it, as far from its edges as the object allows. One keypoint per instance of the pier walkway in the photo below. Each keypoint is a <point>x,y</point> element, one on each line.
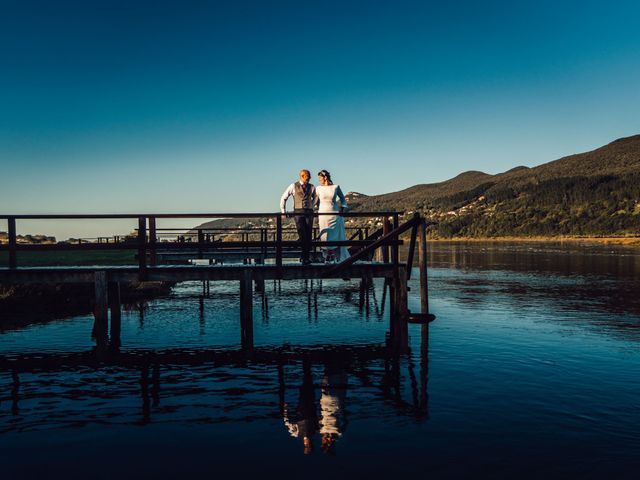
<point>259,248</point>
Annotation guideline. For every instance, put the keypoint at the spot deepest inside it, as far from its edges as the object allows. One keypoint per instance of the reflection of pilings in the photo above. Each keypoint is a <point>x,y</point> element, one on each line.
<point>378,310</point>
<point>423,405</point>
<point>281,388</point>
<point>367,303</point>
<point>385,286</point>
<point>141,315</point>
<point>246,311</point>
<point>206,288</point>
<point>144,393</point>
<point>101,310</point>
<point>201,315</point>
<point>15,393</point>
<point>155,385</point>
<point>265,307</point>
<point>116,315</point>
<point>315,306</point>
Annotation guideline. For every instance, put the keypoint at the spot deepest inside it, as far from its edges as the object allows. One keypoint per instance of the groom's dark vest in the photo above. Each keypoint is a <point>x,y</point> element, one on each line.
<point>302,199</point>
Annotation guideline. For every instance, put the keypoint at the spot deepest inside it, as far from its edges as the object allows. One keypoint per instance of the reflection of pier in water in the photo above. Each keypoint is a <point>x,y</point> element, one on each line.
<point>361,294</point>
<point>169,376</point>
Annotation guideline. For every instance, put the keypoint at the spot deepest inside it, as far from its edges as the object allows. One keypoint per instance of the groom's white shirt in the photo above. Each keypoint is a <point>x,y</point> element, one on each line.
<point>290,192</point>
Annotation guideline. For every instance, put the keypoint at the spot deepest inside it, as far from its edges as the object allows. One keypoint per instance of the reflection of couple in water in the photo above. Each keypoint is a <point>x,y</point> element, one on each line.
<point>304,421</point>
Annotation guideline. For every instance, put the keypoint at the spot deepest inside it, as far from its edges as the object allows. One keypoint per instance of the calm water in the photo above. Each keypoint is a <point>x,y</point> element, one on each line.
<point>532,369</point>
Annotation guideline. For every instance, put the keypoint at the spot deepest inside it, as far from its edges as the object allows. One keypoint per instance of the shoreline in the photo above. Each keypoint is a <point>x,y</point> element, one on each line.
<point>625,241</point>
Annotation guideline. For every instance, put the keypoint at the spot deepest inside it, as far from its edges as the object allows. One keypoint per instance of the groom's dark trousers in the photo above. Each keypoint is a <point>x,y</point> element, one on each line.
<point>304,225</point>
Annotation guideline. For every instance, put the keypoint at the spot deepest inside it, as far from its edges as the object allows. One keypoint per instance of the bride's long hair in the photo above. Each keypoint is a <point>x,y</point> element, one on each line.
<point>327,175</point>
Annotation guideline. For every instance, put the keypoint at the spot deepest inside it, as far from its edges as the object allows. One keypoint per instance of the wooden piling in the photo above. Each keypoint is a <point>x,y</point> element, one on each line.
<point>142,251</point>
<point>101,325</point>
<point>279,245</point>
<point>11,224</point>
<point>153,258</point>
<point>246,310</point>
<point>116,315</point>
<point>422,265</point>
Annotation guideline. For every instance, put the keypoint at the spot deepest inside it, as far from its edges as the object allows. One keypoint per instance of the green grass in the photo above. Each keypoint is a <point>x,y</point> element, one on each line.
<point>62,259</point>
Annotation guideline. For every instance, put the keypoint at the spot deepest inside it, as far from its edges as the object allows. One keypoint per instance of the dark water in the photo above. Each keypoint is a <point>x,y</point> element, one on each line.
<point>531,370</point>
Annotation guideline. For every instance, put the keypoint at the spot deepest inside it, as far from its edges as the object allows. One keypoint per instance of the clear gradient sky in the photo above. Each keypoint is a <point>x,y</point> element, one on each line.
<point>193,106</point>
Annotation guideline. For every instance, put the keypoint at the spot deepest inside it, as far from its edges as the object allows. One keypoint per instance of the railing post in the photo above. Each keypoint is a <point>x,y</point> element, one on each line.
<point>13,262</point>
<point>422,263</point>
<point>142,250</point>
<point>153,258</point>
<point>279,245</point>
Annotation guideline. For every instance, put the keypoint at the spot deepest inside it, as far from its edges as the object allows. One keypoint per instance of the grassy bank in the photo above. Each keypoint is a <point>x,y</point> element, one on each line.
<point>71,258</point>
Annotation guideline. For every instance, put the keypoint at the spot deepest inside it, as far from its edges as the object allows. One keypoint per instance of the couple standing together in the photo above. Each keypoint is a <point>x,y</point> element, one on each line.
<point>330,201</point>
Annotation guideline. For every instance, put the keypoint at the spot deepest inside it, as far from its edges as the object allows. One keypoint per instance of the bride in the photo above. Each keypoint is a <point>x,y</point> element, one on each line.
<point>331,199</point>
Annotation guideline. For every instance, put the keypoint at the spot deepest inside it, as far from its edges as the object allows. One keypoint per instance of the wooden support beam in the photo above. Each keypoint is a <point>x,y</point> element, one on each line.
<point>11,224</point>
<point>383,241</point>
<point>412,245</point>
<point>101,313</point>
<point>116,315</point>
<point>246,310</point>
<point>386,228</point>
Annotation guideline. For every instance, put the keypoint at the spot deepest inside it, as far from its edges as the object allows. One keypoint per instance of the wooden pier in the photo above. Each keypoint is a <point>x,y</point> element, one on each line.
<point>259,254</point>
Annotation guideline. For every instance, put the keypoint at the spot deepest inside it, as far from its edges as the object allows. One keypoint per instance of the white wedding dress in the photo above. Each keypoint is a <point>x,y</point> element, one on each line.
<point>330,199</point>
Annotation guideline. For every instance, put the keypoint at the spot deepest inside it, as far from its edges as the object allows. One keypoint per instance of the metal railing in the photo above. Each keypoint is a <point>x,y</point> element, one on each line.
<point>149,239</point>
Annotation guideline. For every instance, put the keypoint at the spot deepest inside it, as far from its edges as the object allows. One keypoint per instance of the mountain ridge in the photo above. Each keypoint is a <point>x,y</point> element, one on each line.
<point>590,193</point>
<point>595,192</point>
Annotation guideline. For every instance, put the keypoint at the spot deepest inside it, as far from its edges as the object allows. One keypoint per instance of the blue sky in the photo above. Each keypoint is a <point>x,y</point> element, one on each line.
<point>198,106</point>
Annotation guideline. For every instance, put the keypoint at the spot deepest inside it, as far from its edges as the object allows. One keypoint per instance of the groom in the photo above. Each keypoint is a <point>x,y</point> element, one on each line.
<point>304,199</point>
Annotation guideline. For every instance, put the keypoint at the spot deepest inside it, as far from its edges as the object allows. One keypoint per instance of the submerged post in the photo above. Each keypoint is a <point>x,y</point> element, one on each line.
<point>400,311</point>
<point>246,310</point>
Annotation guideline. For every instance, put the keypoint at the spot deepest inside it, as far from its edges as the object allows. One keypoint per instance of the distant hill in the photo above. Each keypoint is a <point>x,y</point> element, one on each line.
<point>592,193</point>
<point>28,239</point>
